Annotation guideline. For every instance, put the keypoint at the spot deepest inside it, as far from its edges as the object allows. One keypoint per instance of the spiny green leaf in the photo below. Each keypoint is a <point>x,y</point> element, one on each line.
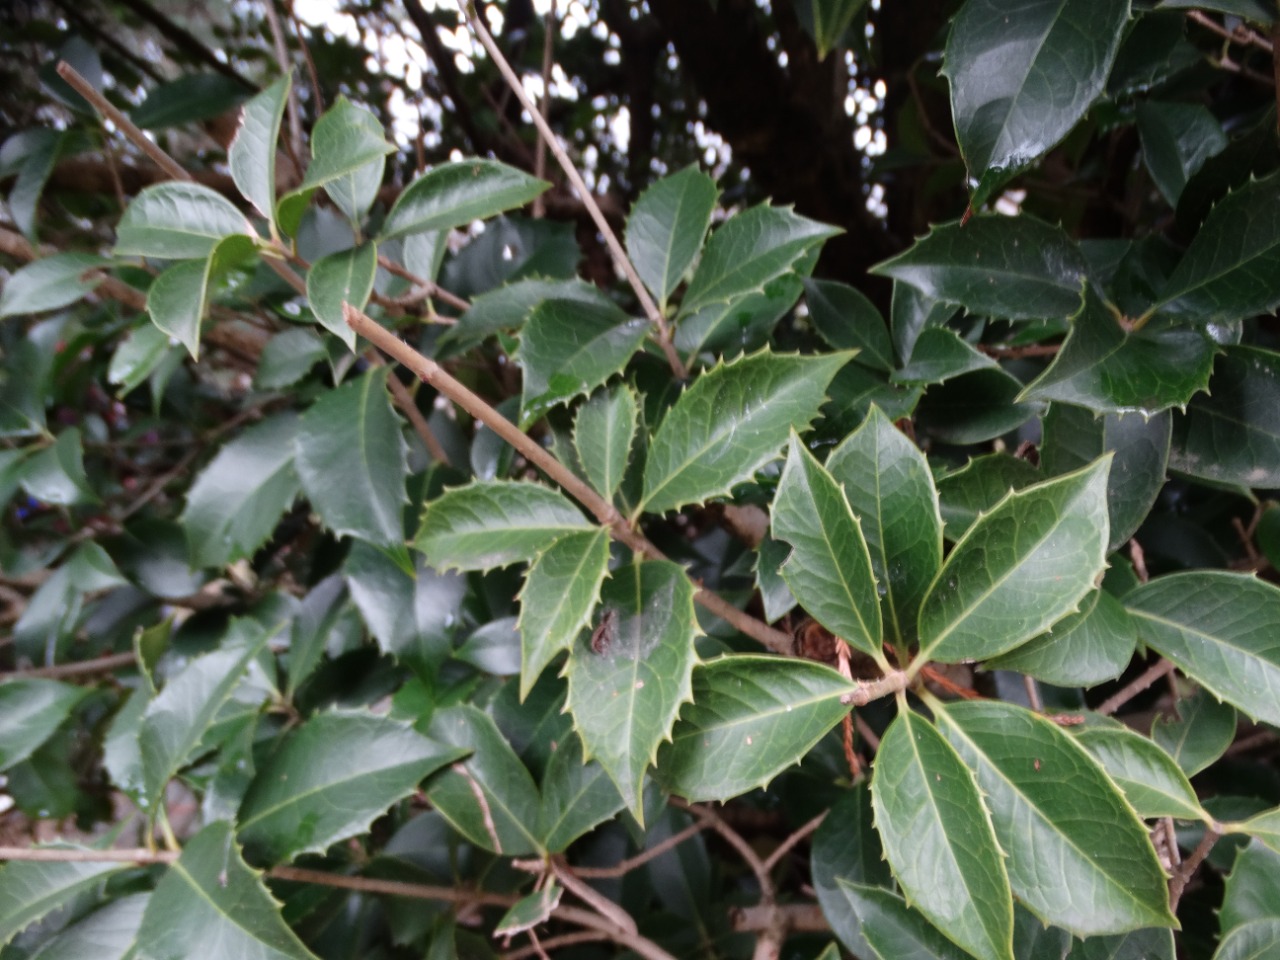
<point>177,220</point>
<point>495,523</point>
<point>893,928</point>
<point>1151,781</point>
<point>626,687</point>
<point>30,890</point>
<point>847,320</point>
<point>454,194</point>
<point>978,486</point>
<point>1250,941</point>
<point>602,437</point>
<point>733,420</point>
<point>939,840</point>
<point>1084,648</point>
<point>666,227</point>
<point>1201,731</point>
<point>751,718</point>
<point>577,795</point>
<point>940,354</point>
<point>108,933</point>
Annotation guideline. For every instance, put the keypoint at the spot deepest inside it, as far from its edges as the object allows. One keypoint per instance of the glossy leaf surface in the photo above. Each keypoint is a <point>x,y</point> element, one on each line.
<point>453,194</point>
<point>847,320</point>
<point>1082,649</point>
<point>602,436</point>
<point>50,283</point>
<point>177,220</point>
<point>666,228</point>
<point>1200,733</point>
<point>252,155</point>
<point>576,797</point>
<point>31,709</point>
<point>1150,780</point>
<point>893,928</point>
<point>343,277</point>
<point>30,890</point>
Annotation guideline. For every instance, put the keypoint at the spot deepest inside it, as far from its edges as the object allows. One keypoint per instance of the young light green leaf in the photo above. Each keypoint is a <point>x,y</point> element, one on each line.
<point>939,840</point>
<point>453,194</point>
<point>211,897</point>
<point>889,487</point>
<point>177,220</point>
<point>627,683</point>
<point>177,299</point>
<point>1201,731</point>
<point>847,320</point>
<point>1017,268</point>
<point>1218,628</point>
<point>1228,271</point>
<point>893,928</point>
<point>56,474</point>
<point>342,277</point>
<point>237,499</point>
<point>1074,436</point>
<point>1084,648</point>
<point>749,251</point>
<point>577,795</point>
<point>1020,83</point>
<point>252,155</point>
<point>495,523</point>
<point>829,569</point>
<point>50,283</point>
<point>1177,138</point>
<point>751,718</point>
<point>733,420</point>
<point>108,933</point>
<point>666,228</point>
<point>1056,813</point>
<point>568,348</point>
<point>31,709</point>
<point>1149,778</point>
<point>334,775</point>
<point>1102,367</point>
<point>1019,569</point>
<point>352,460</point>
<point>602,436</point>
<point>176,720</point>
<point>558,596</point>
<point>1232,434</point>
<point>506,820</point>
<point>30,890</point>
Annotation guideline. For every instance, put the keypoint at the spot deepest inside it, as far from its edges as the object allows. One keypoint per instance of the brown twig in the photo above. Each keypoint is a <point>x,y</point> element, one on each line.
<point>785,847</point>
<point>554,943</point>
<point>1015,353</point>
<point>1241,35</point>
<point>1135,687</point>
<point>647,304</point>
<point>294,142</point>
<point>640,859</point>
<point>1182,876</point>
<point>433,289</point>
<point>735,840</point>
<point>597,901</point>
<point>544,106</point>
<point>80,668</point>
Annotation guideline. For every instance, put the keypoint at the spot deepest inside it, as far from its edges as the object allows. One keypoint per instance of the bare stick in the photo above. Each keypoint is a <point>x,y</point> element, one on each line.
<point>588,198</point>
<point>433,289</point>
<point>783,848</point>
<point>282,61</point>
<point>81,668</point>
<point>735,840</point>
<point>640,859</point>
<point>1184,873</point>
<point>544,105</point>
<point>1131,690</point>
<point>600,903</point>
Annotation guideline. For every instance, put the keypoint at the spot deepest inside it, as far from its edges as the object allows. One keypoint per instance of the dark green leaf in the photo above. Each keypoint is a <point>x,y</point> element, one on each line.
<point>1177,138</point>
<point>1151,781</point>
<point>748,251</point>
<point>30,890</point>
<point>727,328</point>
<point>974,408</point>
<point>568,348</point>
<point>1152,943</point>
<point>454,194</point>
<point>829,570</point>
<point>846,849</point>
<point>238,498</point>
<point>847,320</point>
<point>506,821</point>
<point>751,718</point>
<point>775,595</point>
<point>56,474</point>
<point>329,781</point>
<point>1074,436</point>
<point>527,912</point>
<point>190,98</point>
<point>177,220</point>
<point>507,308</point>
<point>893,928</point>
<point>252,155</point>
<point>121,752</point>
<point>139,355</point>
<point>938,838</point>
<point>1020,80</point>
<point>287,358</point>
<point>30,711</point>
<point>1252,887</point>
<point>1259,11</point>
<point>343,277</point>
<point>733,420</point>
<point>1201,731</point>
<point>626,684</point>
<point>495,523</point>
<point>940,354</point>
<point>177,299</point>
<point>1250,941</point>
<point>666,227</point>
<point>1232,433</point>
<point>38,151</point>
<point>978,486</point>
<point>109,933</point>
<point>209,899</point>
<point>1267,534</point>
<point>1218,628</point>
<point>831,18</point>
<point>1228,272</point>
<point>352,460</point>
<point>602,436</point>
<point>558,596</point>
<point>1019,569</point>
<point>576,797</point>
<point>1057,814</point>
<point>1108,370</point>
<point>1018,268</point>
<point>413,616</point>
<point>1081,649</point>
<point>50,283</point>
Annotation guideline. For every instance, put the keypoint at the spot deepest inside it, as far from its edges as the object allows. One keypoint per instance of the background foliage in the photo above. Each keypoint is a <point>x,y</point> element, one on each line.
<point>837,525</point>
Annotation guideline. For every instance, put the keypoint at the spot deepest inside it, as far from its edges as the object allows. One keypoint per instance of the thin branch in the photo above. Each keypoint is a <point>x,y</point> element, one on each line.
<point>555,943</point>
<point>291,106</point>
<point>1182,876</point>
<point>317,105</point>
<point>80,668</point>
<point>482,802</point>
<point>1241,35</point>
<point>735,840</point>
<point>640,859</point>
<point>799,917</point>
<point>650,308</point>
<point>404,400</point>
<point>785,847</point>
<point>600,903</point>
<point>544,105</point>
<point>1135,687</point>
<point>1015,353</point>
<point>433,289</point>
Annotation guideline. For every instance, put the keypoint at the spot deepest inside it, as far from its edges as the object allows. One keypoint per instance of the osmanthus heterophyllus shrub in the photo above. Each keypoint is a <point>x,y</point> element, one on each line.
<point>533,646</point>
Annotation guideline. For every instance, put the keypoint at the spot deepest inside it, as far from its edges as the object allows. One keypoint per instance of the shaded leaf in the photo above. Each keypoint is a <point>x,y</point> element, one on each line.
<point>846,849</point>
<point>50,283</point>
<point>1250,941</point>
<point>343,277</point>
<point>177,220</point>
<point>287,358</point>
<point>507,307</point>
<point>1177,138</point>
<point>412,615</point>
<point>831,18</point>
<point>31,709</point>
<point>829,569</point>
<point>1084,648</point>
<point>30,890</point>
<point>140,354</point>
<point>187,99</point>
<point>56,474</point>
<point>602,436</point>
<point>666,228</point>
<point>1018,569</point>
<point>236,501</point>
<point>1151,943</point>
<point>1252,887</point>
<point>330,780</point>
<point>109,933</point>
<point>576,797</point>
<point>529,911</point>
<point>1057,814</point>
<point>1150,780</point>
<point>751,718</point>
<point>847,320</point>
<point>1217,627</point>
<point>252,154</point>
<point>938,838</point>
<point>495,523</point>
<point>177,300</point>
<point>453,194</point>
<point>729,423</point>
<point>895,929</point>
<point>1201,731</point>
<point>940,354</point>
<point>978,486</point>
<point>625,691</point>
